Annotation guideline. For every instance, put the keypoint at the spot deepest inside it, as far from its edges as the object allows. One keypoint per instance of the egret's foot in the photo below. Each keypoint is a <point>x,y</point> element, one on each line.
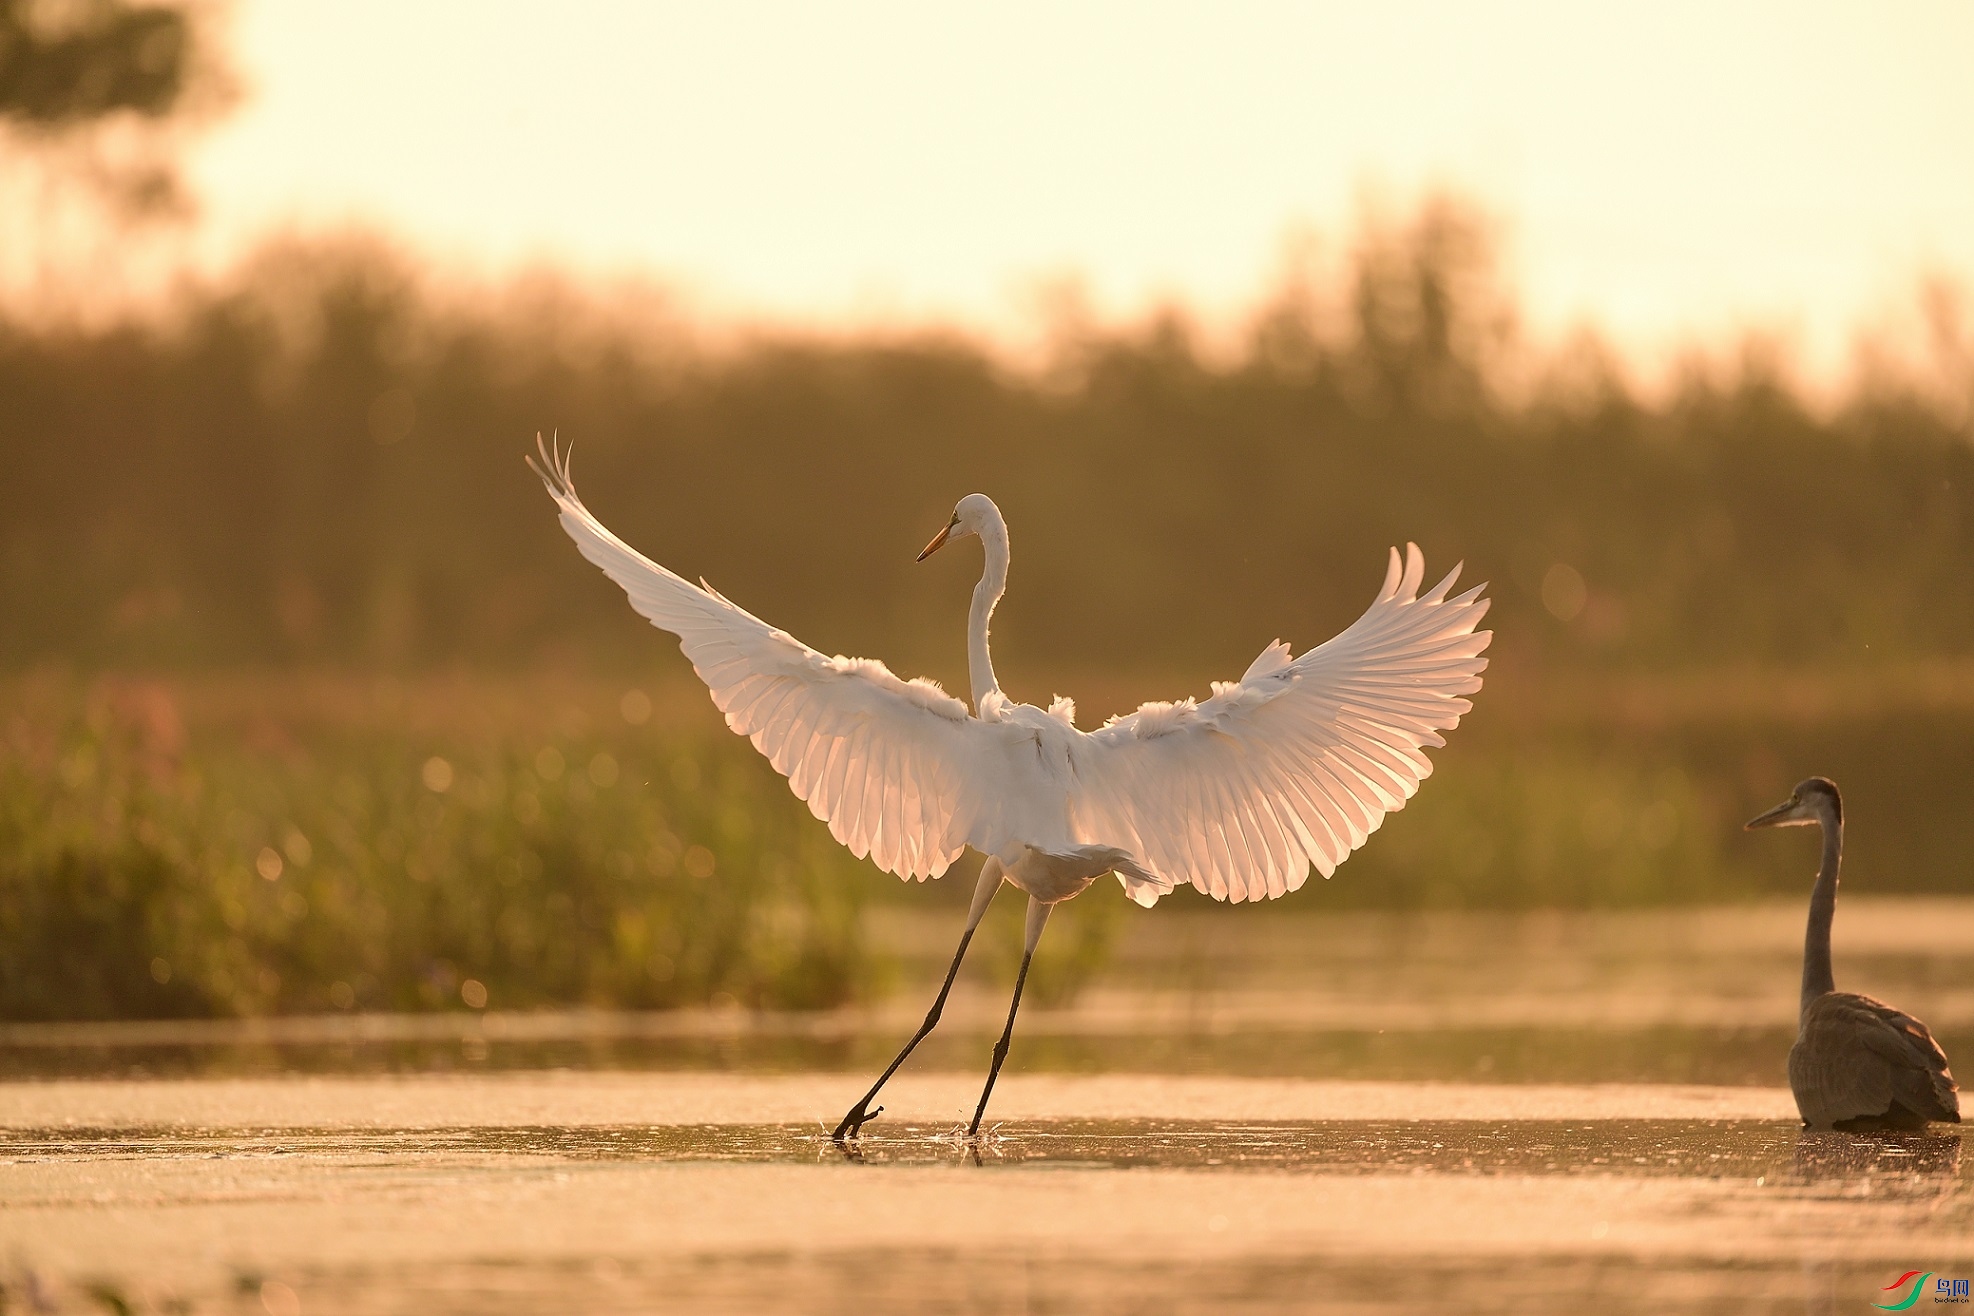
<point>853,1123</point>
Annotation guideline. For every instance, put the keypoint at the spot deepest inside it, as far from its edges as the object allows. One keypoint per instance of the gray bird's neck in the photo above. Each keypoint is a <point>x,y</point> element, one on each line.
<point>1817,979</point>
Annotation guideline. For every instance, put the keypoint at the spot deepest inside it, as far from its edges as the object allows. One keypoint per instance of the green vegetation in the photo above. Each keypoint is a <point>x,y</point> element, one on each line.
<point>301,842</point>
<point>144,875</point>
<point>313,466</point>
<point>296,845</point>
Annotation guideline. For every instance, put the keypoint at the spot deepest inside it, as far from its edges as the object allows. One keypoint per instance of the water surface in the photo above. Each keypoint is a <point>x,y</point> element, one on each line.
<point>530,1193</point>
<point>1355,1113</point>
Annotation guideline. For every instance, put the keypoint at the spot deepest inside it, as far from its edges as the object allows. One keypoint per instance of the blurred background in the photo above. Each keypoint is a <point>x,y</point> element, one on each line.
<point>1659,319</point>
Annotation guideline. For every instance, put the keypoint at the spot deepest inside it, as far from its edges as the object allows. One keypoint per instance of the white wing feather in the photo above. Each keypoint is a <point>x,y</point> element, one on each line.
<point>883,761</point>
<point>1297,762</point>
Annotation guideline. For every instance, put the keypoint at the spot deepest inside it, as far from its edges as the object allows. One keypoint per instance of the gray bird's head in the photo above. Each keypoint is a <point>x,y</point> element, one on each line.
<point>1815,800</point>
<point>971,515</point>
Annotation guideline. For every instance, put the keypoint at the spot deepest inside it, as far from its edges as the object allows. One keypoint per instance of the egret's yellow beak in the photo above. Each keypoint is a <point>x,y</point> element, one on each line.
<point>938,541</point>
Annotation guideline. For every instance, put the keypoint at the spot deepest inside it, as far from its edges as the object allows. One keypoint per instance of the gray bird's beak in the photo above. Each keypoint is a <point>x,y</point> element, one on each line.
<point>1771,818</point>
<point>938,541</point>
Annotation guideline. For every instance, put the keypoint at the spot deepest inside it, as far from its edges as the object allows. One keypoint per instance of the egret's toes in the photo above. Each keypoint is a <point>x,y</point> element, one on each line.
<point>853,1123</point>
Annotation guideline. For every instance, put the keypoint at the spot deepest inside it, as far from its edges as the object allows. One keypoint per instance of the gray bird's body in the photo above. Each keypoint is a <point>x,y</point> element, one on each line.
<point>1858,1064</point>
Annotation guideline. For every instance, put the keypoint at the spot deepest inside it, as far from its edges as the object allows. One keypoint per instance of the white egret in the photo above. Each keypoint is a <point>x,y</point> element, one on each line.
<point>1239,794</point>
<point>1858,1064</point>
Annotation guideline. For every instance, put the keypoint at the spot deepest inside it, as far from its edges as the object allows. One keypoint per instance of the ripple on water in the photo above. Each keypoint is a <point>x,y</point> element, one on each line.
<point>1268,1215</point>
<point>1778,1154</point>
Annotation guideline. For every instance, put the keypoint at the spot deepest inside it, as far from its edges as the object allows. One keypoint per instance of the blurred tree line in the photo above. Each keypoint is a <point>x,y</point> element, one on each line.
<point>317,459</point>
<point>313,462</point>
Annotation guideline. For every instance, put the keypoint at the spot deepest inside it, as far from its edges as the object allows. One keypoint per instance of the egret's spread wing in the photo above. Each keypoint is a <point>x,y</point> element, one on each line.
<point>1297,762</point>
<point>885,762</point>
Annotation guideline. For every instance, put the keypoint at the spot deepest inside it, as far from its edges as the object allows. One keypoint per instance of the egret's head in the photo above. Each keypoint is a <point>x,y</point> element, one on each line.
<point>970,515</point>
<point>1814,800</point>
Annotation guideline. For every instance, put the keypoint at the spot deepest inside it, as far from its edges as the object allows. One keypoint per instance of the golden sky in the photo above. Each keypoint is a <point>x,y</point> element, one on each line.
<point>1670,171</point>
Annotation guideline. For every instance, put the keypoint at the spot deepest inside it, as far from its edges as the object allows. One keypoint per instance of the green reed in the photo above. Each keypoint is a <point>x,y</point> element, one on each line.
<point>298,843</point>
<point>393,870</point>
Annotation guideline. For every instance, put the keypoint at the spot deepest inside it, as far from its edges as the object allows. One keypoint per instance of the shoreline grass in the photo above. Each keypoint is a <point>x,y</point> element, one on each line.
<point>269,842</point>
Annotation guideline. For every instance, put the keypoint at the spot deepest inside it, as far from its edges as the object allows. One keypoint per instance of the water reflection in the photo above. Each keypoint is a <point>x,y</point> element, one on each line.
<point>1414,1216</point>
<point>1918,1164</point>
<point>1768,1154</point>
<point>1490,1055</point>
<point>1701,996</point>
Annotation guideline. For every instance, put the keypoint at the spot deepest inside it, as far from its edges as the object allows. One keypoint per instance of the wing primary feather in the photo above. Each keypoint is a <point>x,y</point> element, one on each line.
<point>814,718</point>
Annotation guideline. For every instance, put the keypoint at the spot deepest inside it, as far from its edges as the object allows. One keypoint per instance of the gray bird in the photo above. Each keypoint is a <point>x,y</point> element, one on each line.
<point>1858,1065</point>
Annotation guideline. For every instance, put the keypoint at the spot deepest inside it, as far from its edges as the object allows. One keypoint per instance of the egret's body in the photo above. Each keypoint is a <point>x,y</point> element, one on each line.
<point>1858,1064</point>
<point>1239,795</point>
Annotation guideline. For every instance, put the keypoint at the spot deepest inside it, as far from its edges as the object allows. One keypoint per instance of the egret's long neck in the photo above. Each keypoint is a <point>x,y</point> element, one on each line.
<point>993,581</point>
<point>1817,977</point>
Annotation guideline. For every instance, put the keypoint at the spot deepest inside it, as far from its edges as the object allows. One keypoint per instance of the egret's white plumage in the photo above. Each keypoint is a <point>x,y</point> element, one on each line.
<point>1295,764</point>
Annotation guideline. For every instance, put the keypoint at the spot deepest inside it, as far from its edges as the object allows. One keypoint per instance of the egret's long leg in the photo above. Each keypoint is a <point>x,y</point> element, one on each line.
<point>983,892</point>
<point>1038,915</point>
